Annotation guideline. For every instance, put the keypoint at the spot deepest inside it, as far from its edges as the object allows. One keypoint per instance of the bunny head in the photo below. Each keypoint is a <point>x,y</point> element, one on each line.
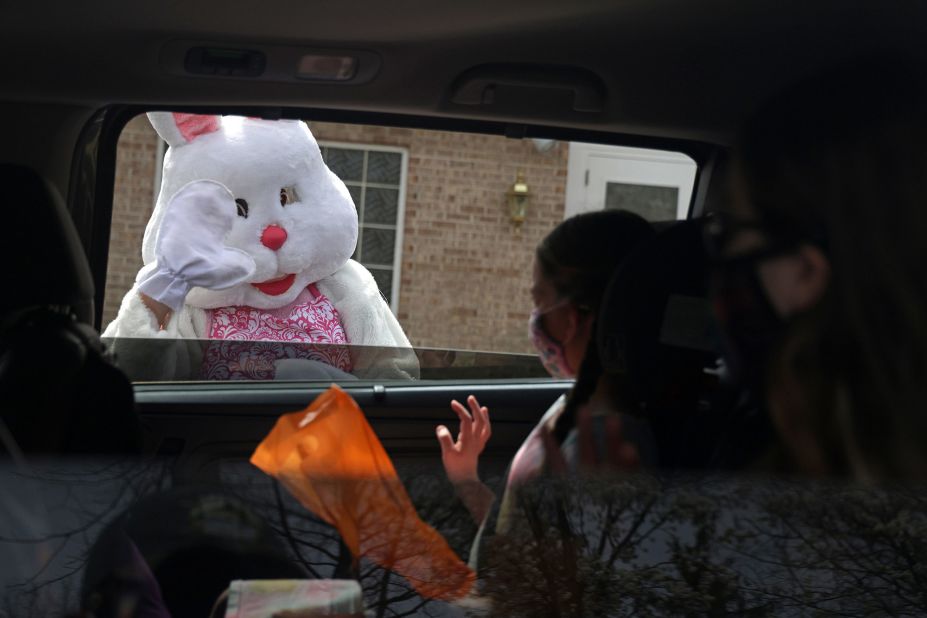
<point>291,214</point>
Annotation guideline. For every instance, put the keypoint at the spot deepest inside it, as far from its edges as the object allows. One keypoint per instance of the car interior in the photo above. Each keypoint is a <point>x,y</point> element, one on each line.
<point>661,75</point>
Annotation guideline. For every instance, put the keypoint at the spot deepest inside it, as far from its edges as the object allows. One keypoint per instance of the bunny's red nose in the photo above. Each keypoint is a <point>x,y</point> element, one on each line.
<point>273,237</point>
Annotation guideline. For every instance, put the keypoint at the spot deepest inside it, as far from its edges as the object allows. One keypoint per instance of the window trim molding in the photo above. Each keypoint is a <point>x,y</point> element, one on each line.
<point>400,209</point>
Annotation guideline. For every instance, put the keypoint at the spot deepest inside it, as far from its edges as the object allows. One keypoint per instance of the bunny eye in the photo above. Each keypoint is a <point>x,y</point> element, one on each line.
<point>242,207</point>
<point>288,196</point>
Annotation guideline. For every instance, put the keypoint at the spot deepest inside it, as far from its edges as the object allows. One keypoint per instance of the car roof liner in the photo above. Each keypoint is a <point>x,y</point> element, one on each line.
<point>670,68</point>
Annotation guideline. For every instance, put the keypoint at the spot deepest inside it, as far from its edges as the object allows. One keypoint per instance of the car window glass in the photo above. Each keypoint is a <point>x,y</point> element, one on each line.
<point>440,230</point>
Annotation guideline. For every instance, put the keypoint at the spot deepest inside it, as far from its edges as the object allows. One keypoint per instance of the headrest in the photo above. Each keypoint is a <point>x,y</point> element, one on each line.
<point>43,260</point>
<point>655,324</point>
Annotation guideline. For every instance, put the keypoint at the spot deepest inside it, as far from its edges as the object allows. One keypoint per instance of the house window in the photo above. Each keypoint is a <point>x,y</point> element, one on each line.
<point>651,202</point>
<point>376,178</point>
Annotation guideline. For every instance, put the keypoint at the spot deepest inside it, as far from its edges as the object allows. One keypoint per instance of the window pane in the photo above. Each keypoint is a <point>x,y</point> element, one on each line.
<point>384,279</point>
<point>348,164</point>
<point>443,194</point>
<point>650,202</point>
<point>378,246</point>
<point>383,167</point>
<point>355,192</point>
<point>381,206</point>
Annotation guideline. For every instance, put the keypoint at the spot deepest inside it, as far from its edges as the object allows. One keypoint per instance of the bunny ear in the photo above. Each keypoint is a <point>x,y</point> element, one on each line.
<point>178,129</point>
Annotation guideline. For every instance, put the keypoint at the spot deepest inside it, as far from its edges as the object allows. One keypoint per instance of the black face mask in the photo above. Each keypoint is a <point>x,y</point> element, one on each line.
<point>750,326</point>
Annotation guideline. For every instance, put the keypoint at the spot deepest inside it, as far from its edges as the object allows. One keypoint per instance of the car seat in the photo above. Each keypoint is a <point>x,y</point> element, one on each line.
<point>60,393</point>
<point>658,339</point>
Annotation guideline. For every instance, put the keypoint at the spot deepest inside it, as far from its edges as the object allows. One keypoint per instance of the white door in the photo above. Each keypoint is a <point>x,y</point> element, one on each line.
<point>655,184</point>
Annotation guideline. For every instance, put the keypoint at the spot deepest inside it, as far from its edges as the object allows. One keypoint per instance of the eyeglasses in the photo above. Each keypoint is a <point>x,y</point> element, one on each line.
<point>720,229</point>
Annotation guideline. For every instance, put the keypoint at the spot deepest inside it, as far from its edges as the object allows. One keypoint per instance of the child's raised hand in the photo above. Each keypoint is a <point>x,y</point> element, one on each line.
<point>460,458</point>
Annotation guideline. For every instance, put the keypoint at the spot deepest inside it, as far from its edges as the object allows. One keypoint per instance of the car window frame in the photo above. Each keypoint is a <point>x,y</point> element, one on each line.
<point>91,193</point>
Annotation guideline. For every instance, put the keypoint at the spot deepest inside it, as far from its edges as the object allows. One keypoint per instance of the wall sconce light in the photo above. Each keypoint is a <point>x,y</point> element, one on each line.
<point>543,145</point>
<point>518,197</point>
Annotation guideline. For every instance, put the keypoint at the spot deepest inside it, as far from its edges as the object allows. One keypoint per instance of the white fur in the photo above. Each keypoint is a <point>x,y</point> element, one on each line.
<point>255,159</point>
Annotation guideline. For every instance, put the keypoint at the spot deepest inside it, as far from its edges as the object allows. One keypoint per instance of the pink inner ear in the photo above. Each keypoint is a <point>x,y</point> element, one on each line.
<point>192,126</point>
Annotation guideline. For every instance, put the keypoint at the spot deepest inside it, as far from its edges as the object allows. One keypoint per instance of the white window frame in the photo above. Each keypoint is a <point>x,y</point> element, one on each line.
<point>400,210</point>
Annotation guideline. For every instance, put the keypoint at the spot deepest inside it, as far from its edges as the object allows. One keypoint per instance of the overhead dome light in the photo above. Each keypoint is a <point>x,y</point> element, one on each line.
<point>328,68</point>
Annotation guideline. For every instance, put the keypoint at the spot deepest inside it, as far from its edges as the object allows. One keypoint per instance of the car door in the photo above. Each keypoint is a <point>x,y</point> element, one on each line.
<point>203,431</point>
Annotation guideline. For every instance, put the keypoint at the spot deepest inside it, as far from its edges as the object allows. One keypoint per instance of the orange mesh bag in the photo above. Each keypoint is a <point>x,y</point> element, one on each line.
<point>330,459</point>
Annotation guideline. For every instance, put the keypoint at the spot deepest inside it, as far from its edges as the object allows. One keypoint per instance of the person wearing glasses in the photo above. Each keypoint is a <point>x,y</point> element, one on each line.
<point>820,286</point>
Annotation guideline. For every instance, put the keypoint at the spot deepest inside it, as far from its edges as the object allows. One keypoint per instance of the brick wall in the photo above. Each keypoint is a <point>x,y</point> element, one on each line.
<point>465,268</point>
<point>133,201</point>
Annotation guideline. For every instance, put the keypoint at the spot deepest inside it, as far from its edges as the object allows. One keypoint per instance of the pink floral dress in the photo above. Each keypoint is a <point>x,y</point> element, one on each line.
<point>247,341</point>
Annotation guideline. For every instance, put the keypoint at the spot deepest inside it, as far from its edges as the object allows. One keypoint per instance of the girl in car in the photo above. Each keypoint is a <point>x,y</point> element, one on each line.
<point>572,267</point>
<point>820,281</point>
